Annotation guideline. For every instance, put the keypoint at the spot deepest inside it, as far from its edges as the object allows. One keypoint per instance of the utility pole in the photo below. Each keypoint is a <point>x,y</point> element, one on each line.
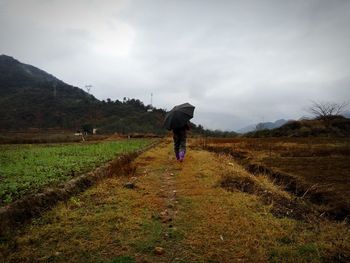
<point>151,106</point>
<point>88,88</point>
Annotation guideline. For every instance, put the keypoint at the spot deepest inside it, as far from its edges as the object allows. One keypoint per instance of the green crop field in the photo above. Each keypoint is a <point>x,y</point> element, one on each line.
<point>28,168</point>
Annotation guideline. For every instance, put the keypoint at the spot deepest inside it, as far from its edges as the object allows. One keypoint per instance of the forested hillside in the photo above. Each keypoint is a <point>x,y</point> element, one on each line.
<point>334,126</point>
<point>32,98</point>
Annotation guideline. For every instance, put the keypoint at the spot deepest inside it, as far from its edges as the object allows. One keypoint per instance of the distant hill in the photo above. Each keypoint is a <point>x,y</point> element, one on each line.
<point>31,97</point>
<point>248,128</point>
<point>335,126</point>
<point>346,114</point>
<point>270,125</point>
<point>263,126</point>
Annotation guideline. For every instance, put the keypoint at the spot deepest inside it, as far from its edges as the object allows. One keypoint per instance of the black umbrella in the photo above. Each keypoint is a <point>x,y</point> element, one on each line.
<point>178,116</point>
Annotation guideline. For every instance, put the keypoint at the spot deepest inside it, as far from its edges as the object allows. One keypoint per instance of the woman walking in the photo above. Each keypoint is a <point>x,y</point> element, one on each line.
<point>177,120</point>
<point>180,136</point>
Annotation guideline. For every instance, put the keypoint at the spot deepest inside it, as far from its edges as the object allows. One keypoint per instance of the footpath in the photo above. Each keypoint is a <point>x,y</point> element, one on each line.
<point>172,212</point>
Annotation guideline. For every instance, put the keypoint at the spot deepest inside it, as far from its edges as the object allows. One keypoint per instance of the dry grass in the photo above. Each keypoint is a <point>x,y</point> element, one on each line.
<point>228,227</point>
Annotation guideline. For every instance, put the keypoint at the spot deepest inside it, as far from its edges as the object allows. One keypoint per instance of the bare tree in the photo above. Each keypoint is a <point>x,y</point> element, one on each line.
<point>325,110</point>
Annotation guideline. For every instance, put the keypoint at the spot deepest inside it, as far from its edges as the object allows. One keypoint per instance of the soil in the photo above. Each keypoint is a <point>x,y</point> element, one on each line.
<point>325,201</point>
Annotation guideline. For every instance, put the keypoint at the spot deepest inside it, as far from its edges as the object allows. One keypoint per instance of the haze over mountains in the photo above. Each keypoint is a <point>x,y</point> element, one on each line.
<point>262,126</point>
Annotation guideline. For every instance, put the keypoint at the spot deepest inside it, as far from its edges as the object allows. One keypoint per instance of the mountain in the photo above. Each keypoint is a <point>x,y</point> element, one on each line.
<point>16,74</point>
<point>270,125</point>
<point>263,126</point>
<point>248,128</point>
<point>333,126</point>
<point>31,97</point>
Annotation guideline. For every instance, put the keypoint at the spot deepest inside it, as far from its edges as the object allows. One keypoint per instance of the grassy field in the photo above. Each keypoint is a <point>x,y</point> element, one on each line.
<point>320,165</point>
<point>27,168</point>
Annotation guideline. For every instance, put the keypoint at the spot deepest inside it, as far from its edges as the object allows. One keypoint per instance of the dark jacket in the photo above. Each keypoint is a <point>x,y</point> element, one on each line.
<point>181,131</point>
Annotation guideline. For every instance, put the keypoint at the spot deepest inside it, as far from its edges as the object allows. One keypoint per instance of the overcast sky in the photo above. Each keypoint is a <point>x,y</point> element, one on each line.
<point>238,62</point>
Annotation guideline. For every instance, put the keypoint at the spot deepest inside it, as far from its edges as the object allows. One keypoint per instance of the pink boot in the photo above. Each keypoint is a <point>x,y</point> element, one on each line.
<point>181,156</point>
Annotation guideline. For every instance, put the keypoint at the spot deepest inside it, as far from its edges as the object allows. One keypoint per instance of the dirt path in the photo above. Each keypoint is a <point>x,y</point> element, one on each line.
<point>176,213</point>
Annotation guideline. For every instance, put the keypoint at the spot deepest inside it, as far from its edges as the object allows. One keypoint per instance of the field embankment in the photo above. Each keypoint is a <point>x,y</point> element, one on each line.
<point>39,136</point>
<point>33,204</point>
